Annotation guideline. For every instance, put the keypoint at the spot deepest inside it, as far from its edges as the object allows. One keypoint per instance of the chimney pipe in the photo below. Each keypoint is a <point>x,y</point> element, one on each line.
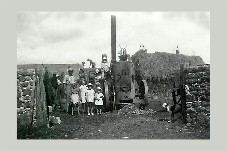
<point>113,38</point>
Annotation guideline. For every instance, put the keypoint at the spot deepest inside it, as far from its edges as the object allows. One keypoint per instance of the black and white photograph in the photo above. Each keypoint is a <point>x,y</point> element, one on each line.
<point>122,75</point>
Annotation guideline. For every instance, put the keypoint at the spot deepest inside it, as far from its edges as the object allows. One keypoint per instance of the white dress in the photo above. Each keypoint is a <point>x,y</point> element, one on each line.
<point>83,89</point>
<point>99,99</point>
<point>75,98</point>
<point>90,95</point>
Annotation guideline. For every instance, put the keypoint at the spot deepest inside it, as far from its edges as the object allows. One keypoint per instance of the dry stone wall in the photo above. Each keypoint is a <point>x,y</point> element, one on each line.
<point>30,97</point>
<point>198,103</point>
<point>25,96</point>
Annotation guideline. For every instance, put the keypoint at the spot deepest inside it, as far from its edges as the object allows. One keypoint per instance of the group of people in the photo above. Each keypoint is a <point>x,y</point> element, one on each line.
<point>82,95</point>
<point>74,91</point>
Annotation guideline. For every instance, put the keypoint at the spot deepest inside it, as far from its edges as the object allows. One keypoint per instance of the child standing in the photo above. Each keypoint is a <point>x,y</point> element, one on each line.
<point>75,99</point>
<point>90,94</point>
<point>99,100</point>
<point>83,89</point>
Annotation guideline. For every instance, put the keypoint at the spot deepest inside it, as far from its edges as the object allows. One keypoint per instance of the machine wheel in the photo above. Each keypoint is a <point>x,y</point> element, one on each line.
<point>106,93</point>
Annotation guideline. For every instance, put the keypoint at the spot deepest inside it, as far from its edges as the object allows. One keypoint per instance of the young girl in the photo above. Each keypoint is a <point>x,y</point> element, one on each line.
<point>75,99</point>
<point>90,94</point>
<point>99,100</point>
<point>83,89</point>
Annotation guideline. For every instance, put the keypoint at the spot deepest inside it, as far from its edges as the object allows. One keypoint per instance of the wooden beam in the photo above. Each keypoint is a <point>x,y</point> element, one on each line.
<point>182,91</point>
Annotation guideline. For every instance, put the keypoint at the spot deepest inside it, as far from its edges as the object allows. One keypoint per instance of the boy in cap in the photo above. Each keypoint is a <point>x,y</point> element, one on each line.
<point>90,94</point>
<point>99,100</point>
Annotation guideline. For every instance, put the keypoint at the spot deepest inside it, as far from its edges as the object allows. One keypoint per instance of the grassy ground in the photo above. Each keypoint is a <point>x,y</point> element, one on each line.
<point>116,126</point>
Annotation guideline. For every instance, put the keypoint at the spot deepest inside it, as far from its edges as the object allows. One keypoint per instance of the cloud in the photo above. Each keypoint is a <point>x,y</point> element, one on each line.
<point>35,29</point>
<point>59,36</point>
<point>200,18</point>
<point>70,37</point>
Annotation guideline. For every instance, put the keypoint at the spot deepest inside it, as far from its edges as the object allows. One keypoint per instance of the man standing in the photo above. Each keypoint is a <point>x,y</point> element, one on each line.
<point>104,65</point>
<point>68,82</point>
<point>58,90</point>
<point>83,89</point>
<point>47,85</point>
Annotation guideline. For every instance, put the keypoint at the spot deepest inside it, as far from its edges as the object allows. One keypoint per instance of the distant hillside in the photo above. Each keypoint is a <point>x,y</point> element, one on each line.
<point>58,68</point>
<point>161,63</point>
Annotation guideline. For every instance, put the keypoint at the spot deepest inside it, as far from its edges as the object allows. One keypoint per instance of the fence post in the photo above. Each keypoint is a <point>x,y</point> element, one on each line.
<point>182,93</point>
<point>41,107</point>
<point>174,93</point>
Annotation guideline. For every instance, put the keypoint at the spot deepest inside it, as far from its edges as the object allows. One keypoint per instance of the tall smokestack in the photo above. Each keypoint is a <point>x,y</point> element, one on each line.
<point>113,38</point>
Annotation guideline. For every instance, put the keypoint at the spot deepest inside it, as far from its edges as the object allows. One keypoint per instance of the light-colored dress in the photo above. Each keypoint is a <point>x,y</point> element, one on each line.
<point>90,95</point>
<point>83,89</point>
<point>75,98</point>
<point>99,98</point>
<point>69,81</point>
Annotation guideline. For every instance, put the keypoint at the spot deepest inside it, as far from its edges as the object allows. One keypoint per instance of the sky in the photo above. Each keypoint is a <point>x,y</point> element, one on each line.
<point>73,37</point>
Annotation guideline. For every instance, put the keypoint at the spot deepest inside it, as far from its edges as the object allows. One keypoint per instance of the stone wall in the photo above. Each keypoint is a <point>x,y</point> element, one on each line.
<point>25,96</point>
<point>198,103</point>
<point>30,97</point>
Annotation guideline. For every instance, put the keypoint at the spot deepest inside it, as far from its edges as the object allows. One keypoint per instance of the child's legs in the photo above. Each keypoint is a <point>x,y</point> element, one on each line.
<point>88,106</point>
<point>91,107</point>
<point>78,108</point>
<point>97,109</point>
<point>100,109</point>
<point>73,107</point>
<point>83,107</point>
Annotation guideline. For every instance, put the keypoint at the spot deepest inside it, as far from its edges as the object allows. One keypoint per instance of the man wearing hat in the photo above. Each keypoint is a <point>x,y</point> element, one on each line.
<point>68,82</point>
<point>90,94</point>
<point>104,65</point>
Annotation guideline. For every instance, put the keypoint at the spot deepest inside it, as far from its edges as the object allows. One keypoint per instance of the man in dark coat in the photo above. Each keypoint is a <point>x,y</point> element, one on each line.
<point>54,83</point>
<point>48,87</point>
<point>48,90</point>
